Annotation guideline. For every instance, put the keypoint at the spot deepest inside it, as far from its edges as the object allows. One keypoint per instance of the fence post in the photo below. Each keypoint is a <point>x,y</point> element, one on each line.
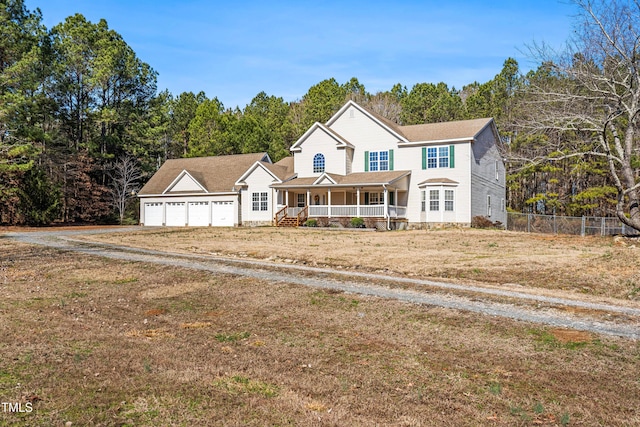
<point>602,226</point>
<point>555,225</point>
<point>528,223</point>
<point>584,221</point>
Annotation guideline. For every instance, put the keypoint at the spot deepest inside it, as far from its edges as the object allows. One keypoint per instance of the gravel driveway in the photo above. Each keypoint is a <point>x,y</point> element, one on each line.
<point>600,318</point>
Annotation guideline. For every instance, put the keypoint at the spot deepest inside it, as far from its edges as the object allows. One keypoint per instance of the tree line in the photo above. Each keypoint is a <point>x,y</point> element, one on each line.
<point>83,125</point>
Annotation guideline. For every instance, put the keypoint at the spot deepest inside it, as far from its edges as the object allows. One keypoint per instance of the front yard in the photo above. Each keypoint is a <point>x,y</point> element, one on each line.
<point>93,341</point>
<point>602,267</point>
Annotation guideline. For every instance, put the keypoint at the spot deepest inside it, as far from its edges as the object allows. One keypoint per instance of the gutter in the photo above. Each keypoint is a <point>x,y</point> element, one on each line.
<point>225,193</point>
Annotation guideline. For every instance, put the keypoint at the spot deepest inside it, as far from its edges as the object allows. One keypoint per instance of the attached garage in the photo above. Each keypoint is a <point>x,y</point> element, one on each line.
<point>222,214</point>
<point>176,215</point>
<point>204,191</point>
<point>153,214</point>
<point>199,214</point>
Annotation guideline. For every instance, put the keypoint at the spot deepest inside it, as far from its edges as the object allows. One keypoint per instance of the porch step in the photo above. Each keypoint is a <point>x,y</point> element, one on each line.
<point>288,222</point>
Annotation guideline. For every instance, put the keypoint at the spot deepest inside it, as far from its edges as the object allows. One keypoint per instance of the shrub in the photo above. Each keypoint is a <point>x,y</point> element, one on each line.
<point>311,223</point>
<point>357,222</point>
<point>484,222</point>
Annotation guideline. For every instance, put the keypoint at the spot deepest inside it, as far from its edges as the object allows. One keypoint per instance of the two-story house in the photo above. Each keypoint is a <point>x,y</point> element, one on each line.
<point>358,164</point>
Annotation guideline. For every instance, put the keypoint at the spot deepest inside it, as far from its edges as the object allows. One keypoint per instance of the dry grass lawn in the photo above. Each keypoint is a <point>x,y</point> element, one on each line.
<point>95,341</point>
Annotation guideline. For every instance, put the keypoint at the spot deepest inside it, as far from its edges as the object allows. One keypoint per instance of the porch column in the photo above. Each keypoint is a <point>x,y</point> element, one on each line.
<point>386,202</point>
<point>395,200</point>
<point>329,202</point>
<point>358,202</point>
<point>308,197</point>
<point>286,199</point>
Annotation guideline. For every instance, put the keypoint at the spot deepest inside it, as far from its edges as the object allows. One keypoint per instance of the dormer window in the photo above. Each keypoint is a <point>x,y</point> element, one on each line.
<point>318,163</point>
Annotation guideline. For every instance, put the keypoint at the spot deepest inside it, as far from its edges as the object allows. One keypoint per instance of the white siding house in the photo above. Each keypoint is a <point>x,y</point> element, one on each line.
<point>356,165</point>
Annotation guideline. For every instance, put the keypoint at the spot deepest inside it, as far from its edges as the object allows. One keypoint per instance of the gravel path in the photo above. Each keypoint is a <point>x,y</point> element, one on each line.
<point>608,319</point>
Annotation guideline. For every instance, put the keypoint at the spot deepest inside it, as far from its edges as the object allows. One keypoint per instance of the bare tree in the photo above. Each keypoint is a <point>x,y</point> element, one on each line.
<point>587,98</point>
<point>125,175</point>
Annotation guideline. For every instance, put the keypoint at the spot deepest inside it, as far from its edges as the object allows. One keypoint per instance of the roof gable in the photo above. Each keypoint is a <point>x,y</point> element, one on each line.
<point>318,127</point>
<point>185,182</point>
<point>325,178</point>
<point>267,167</point>
<point>387,125</point>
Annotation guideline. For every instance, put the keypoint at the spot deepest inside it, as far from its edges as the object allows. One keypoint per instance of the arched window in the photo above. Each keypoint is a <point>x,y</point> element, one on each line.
<point>318,163</point>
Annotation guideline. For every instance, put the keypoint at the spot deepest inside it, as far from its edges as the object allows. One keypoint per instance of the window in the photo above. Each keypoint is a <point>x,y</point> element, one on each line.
<point>302,200</point>
<point>497,171</point>
<point>373,198</point>
<point>443,157</point>
<point>437,157</point>
<point>318,163</point>
<point>488,206</point>
<point>434,200</point>
<point>259,201</point>
<point>432,157</point>
<point>423,201</point>
<point>373,161</point>
<point>384,160</point>
<point>448,200</point>
<point>378,161</point>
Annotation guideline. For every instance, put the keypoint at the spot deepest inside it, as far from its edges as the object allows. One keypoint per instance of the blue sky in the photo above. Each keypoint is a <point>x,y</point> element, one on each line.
<point>234,49</point>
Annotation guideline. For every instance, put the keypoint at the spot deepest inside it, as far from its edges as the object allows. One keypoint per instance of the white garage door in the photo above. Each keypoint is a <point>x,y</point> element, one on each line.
<point>176,215</point>
<point>222,214</point>
<point>198,214</point>
<point>153,214</point>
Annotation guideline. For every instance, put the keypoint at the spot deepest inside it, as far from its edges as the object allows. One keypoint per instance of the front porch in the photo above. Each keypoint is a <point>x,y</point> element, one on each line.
<point>379,195</point>
<point>341,214</point>
<point>297,215</point>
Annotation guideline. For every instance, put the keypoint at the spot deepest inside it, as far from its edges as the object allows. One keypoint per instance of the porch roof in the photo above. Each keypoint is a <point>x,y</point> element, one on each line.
<point>356,179</point>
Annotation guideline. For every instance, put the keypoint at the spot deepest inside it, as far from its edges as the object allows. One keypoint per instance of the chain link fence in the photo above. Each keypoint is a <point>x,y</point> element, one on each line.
<point>583,226</point>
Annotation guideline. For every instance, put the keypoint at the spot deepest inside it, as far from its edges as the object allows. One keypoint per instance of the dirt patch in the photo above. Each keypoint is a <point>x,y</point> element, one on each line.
<point>571,336</point>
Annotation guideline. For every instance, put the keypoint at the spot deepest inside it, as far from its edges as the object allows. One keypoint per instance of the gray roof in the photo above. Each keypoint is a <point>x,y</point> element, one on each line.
<point>461,129</point>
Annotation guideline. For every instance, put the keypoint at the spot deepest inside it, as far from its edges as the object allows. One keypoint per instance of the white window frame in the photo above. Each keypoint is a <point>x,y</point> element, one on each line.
<point>378,161</point>
<point>318,163</point>
<point>434,200</point>
<point>438,157</point>
<point>449,198</point>
<point>260,201</point>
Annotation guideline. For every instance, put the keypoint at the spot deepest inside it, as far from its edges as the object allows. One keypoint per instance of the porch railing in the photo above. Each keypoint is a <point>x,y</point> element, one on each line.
<point>286,214</point>
<point>398,211</point>
<point>376,211</point>
<point>279,216</point>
